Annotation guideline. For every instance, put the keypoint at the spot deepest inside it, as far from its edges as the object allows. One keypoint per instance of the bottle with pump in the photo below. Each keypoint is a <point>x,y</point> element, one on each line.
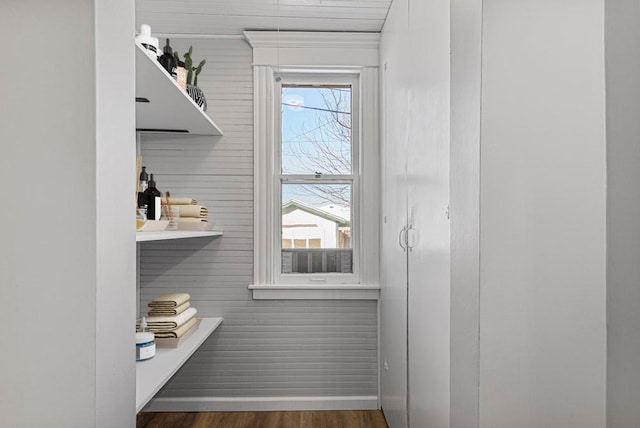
<point>145,342</point>
<point>142,186</point>
<point>148,42</point>
<point>168,61</point>
<point>154,198</point>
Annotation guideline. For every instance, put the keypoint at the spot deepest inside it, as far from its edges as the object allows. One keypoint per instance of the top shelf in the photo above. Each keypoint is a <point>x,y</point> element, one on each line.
<point>164,106</point>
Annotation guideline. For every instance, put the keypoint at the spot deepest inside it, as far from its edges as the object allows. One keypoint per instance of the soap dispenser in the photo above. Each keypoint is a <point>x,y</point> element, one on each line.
<point>154,197</point>
<point>168,61</point>
<point>145,342</point>
<point>148,42</point>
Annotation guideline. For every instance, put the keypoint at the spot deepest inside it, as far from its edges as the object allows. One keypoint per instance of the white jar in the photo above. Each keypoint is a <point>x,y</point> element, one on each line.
<point>145,346</point>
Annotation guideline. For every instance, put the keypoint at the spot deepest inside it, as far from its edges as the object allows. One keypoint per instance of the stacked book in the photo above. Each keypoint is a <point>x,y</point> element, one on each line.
<point>171,319</point>
<point>191,216</point>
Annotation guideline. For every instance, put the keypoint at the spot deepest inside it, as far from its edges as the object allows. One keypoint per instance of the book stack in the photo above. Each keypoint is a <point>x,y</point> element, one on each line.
<point>171,319</point>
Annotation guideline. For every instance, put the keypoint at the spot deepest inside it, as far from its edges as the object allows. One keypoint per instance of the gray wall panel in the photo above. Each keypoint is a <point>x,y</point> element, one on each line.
<point>263,348</point>
<point>622,47</point>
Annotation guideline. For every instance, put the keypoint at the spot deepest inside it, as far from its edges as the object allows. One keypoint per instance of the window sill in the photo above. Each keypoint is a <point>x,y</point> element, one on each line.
<point>315,292</point>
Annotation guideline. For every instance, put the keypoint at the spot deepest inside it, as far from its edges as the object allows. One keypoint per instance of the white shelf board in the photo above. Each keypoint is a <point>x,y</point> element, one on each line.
<point>169,109</point>
<point>152,374</point>
<point>174,234</point>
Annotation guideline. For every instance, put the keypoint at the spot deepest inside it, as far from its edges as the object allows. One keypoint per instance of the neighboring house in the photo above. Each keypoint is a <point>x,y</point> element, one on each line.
<point>315,240</point>
<point>306,226</point>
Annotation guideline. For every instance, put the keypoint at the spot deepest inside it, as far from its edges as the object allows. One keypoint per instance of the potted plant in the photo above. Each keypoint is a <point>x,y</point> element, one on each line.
<point>192,76</point>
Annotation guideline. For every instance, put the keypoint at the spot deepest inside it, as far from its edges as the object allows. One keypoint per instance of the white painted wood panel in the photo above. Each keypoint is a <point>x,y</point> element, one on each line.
<point>115,159</point>
<point>394,66</point>
<point>263,348</point>
<point>466,63</point>
<point>542,218</point>
<point>76,134</point>
<point>429,296</point>
<point>234,16</point>
<point>415,304</point>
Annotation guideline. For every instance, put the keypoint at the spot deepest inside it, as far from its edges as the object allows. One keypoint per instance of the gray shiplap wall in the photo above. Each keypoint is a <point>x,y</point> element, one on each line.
<point>264,348</point>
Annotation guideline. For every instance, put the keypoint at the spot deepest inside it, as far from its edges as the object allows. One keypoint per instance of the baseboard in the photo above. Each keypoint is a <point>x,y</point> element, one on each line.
<point>257,404</point>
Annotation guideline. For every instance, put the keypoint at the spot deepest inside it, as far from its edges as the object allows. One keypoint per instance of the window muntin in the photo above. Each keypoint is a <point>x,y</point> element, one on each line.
<point>317,151</point>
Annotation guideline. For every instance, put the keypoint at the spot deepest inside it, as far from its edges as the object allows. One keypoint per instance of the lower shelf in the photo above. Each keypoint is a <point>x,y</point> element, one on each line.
<point>152,374</point>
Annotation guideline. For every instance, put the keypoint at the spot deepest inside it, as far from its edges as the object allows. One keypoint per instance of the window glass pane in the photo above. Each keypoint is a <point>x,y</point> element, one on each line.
<point>316,130</point>
<point>317,219</point>
<point>335,199</point>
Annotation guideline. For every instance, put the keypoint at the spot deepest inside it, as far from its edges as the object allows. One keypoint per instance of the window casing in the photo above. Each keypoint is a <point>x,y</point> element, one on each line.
<point>335,54</point>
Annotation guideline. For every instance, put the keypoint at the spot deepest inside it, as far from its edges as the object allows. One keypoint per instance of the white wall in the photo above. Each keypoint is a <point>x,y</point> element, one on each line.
<point>48,274</point>
<point>49,269</point>
<point>622,38</point>
<point>542,215</point>
<point>115,170</point>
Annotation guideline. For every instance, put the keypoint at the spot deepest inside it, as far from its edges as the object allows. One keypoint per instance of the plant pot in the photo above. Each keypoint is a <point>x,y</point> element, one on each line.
<point>198,96</point>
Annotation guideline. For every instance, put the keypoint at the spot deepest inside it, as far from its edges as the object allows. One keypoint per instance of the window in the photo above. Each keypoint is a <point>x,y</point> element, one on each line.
<point>316,205</point>
<point>316,161</point>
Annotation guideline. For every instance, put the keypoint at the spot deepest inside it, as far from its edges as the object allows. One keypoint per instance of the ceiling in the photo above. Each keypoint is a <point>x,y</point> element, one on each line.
<point>232,17</point>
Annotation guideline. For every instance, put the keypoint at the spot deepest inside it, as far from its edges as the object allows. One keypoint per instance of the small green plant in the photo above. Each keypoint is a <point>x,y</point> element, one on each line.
<point>192,72</point>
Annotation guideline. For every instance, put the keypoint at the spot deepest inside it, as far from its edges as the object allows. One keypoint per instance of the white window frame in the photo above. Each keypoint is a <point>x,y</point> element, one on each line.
<point>310,55</point>
<point>324,78</point>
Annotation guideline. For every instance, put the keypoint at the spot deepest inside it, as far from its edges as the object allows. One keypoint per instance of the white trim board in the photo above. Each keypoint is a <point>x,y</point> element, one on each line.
<point>256,404</point>
<point>307,49</point>
<point>313,292</point>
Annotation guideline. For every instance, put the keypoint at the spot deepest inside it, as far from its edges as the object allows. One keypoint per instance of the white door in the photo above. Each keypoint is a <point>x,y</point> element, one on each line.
<point>393,301</point>
<point>428,185</point>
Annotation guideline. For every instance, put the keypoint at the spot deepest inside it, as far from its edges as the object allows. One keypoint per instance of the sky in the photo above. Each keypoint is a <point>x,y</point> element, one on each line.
<point>304,121</point>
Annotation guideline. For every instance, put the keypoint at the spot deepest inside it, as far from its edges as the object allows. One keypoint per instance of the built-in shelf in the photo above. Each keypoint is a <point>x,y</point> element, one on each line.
<point>174,234</point>
<point>153,373</point>
<point>162,106</point>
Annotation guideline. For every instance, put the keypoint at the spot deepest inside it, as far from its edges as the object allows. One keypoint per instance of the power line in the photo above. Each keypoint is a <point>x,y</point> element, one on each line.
<point>316,108</point>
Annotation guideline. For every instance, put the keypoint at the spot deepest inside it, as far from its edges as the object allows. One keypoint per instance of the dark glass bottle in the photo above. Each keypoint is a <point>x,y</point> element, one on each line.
<point>168,61</point>
<point>154,198</point>
<point>142,186</point>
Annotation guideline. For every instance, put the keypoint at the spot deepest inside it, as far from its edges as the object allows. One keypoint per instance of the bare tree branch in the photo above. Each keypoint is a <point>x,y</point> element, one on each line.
<point>326,147</point>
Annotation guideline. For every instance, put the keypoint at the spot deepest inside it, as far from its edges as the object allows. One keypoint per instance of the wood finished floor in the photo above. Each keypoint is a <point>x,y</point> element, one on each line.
<point>307,419</point>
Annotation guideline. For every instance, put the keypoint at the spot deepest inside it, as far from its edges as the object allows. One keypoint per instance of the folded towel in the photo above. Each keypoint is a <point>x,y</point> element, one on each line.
<point>171,300</point>
<point>160,311</point>
<point>169,323</point>
<point>180,201</point>
<point>177,332</point>
<point>192,220</point>
<point>197,211</point>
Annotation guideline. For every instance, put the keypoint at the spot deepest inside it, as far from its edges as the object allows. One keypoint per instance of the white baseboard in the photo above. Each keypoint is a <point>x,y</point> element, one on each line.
<point>256,404</point>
